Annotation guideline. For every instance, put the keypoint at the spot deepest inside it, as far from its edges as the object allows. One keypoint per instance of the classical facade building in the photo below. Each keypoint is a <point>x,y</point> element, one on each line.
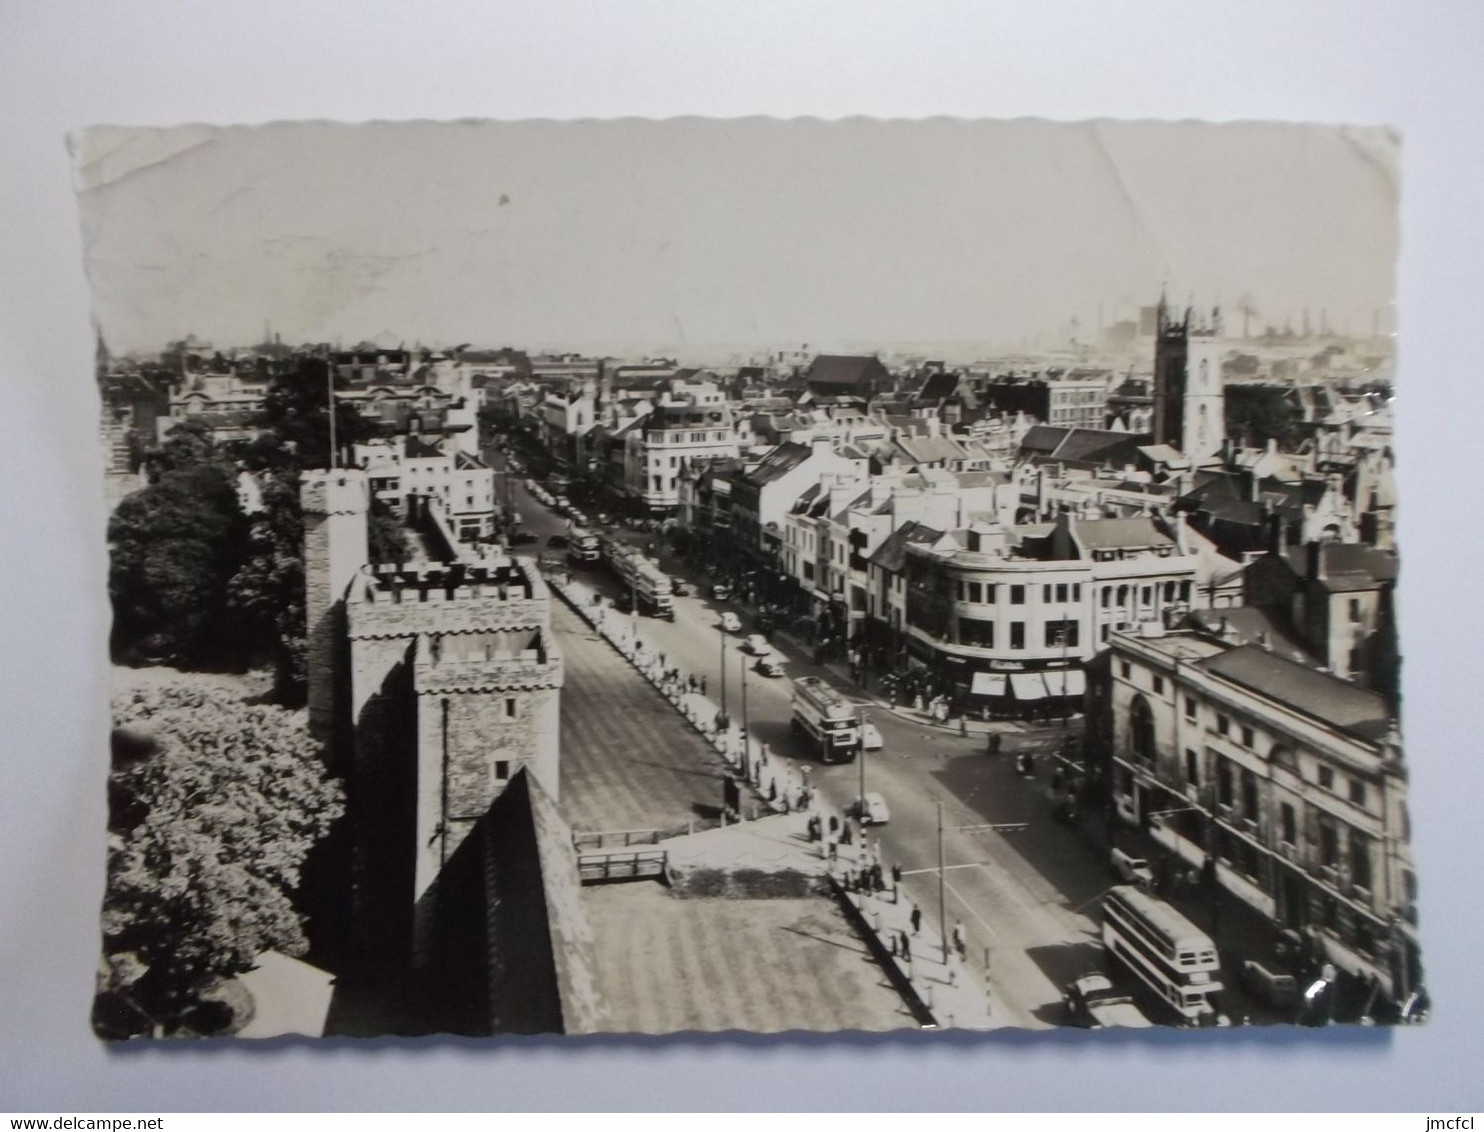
<point>1285,782</point>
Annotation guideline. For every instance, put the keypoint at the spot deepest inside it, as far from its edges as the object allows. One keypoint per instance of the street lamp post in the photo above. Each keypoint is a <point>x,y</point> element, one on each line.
<point>861,756</point>
<point>942,902</point>
<point>722,677</point>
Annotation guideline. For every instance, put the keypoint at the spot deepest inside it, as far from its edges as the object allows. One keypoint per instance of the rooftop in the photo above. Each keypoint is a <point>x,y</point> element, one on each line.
<point>1324,697</point>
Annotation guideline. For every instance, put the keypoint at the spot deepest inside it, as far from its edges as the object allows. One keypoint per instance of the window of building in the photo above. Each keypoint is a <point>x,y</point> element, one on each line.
<point>1329,843</point>
<point>976,592</point>
<point>1159,685</point>
<point>1355,609</point>
<point>989,593</point>
<point>1223,725</point>
<point>1360,859</point>
<point>1190,708</point>
<point>1326,778</point>
<point>502,770</point>
<point>1249,794</point>
<point>1107,596</point>
<point>1125,669</point>
<point>1017,595</point>
<point>1141,729</point>
<point>510,707</point>
<point>1076,591</point>
<point>1061,634</point>
<point>1185,592</point>
<point>1146,596</point>
<point>959,590</point>
<point>979,634</point>
<point>1192,768</point>
<point>1103,634</point>
<point>1061,592</point>
<point>1247,737</point>
<point>1017,634</point>
<point>1122,595</point>
<point>1357,791</point>
<point>1288,823</point>
<point>1046,594</point>
<point>1224,782</point>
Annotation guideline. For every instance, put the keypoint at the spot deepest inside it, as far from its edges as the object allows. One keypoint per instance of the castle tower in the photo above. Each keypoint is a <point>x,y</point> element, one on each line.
<point>1189,406</point>
<point>335,504</point>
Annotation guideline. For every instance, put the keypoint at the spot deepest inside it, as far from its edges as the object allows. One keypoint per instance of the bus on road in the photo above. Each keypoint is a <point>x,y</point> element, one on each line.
<point>646,583</point>
<point>582,546</point>
<point>1171,957</point>
<point>827,719</point>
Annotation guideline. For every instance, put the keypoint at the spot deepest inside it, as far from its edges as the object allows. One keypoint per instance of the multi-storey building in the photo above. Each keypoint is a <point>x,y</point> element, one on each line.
<point>668,438</point>
<point>404,468</point>
<point>1010,615</point>
<point>1285,782</point>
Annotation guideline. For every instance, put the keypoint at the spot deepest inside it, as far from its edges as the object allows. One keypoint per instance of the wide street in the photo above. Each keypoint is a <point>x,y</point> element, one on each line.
<point>1022,884</point>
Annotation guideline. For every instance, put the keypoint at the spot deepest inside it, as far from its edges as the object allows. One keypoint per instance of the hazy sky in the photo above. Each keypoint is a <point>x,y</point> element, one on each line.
<point>693,236</point>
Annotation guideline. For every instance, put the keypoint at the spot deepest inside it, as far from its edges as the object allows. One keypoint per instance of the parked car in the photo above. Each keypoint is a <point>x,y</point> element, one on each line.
<point>768,666</point>
<point>1132,870</point>
<point>730,622</point>
<point>721,591</point>
<point>681,589</point>
<point>872,810</point>
<point>1094,1002</point>
<point>871,738</point>
<point>1277,989</point>
<point>757,644</point>
<point>603,519</point>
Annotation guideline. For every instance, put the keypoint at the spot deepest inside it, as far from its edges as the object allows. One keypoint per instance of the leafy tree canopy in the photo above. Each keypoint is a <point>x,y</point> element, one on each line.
<point>216,803</point>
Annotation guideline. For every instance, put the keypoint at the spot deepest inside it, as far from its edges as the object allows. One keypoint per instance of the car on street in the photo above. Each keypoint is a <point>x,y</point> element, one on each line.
<point>721,591</point>
<point>871,738</point>
<point>731,622</point>
<point>1277,989</point>
<point>557,542</point>
<point>768,666</point>
<point>603,519</point>
<point>1132,870</point>
<point>521,538</point>
<point>757,644</point>
<point>681,589</point>
<point>872,810</point>
<point>1094,1002</point>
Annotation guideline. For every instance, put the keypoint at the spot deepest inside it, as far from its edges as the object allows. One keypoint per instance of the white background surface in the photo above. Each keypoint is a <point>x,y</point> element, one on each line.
<point>64,65</point>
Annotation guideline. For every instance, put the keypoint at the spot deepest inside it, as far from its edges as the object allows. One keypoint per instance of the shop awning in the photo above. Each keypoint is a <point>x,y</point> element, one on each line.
<point>1065,682</point>
<point>987,684</point>
<point>1028,686</point>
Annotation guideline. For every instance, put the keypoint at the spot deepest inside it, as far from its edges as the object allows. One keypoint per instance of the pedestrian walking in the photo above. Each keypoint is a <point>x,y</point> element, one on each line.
<point>834,825</point>
<point>916,919</point>
<point>703,685</point>
<point>906,947</point>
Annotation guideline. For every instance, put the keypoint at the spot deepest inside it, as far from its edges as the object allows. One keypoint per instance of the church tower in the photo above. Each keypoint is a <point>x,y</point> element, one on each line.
<point>1189,407</point>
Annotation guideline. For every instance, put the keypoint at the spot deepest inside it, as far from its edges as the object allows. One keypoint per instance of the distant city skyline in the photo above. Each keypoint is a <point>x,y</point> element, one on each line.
<point>730,238</point>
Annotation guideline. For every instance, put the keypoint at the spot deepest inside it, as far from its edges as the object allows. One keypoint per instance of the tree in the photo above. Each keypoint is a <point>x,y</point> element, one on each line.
<point>175,546</point>
<point>214,805</point>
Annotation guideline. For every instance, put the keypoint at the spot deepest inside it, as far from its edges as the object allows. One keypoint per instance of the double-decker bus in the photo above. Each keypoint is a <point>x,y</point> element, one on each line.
<point>647,584</point>
<point>582,546</point>
<point>1169,955</point>
<point>827,719</point>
